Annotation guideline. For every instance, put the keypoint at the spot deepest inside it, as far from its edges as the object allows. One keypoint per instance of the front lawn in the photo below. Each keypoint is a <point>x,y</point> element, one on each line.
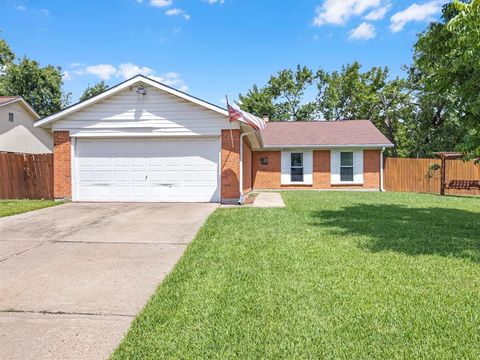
<point>332,275</point>
<point>13,207</point>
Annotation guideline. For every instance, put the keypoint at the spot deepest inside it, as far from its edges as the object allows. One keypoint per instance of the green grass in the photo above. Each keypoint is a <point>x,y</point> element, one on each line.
<point>333,275</point>
<point>13,207</point>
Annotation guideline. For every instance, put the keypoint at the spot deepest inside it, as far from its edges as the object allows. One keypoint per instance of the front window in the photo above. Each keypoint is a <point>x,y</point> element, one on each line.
<point>346,166</point>
<point>296,167</point>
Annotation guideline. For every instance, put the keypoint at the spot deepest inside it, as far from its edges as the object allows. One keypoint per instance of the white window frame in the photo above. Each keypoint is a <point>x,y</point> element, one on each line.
<point>335,167</point>
<point>297,167</point>
<point>286,168</point>
<point>347,166</point>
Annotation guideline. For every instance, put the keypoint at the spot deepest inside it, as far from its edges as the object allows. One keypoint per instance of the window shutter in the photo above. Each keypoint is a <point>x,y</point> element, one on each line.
<point>335,166</point>
<point>308,168</point>
<point>285,165</point>
<point>358,167</point>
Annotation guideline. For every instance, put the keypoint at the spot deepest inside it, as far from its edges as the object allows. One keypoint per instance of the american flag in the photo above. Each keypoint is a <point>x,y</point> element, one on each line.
<point>235,114</point>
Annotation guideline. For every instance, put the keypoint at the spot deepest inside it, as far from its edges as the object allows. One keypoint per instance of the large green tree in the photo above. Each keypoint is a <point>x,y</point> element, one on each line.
<point>351,94</point>
<point>463,74</point>
<point>283,96</point>
<point>445,75</point>
<point>40,86</point>
<point>94,90</point>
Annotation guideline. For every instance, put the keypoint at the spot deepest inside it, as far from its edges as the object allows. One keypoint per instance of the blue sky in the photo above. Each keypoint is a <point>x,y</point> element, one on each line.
<point>210,48</point>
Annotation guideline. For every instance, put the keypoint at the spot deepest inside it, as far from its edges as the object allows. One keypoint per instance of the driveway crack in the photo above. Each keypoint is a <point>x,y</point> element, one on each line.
<point>48,312</point>
<point>21,252</point>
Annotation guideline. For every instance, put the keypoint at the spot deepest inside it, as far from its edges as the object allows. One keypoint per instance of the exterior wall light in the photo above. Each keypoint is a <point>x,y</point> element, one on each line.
<point>141,90</point>
<point>264,160</point>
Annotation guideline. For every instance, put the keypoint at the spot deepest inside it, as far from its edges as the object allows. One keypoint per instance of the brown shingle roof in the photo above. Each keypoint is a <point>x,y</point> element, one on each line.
<point>323,133</point>
<point>6,99</point>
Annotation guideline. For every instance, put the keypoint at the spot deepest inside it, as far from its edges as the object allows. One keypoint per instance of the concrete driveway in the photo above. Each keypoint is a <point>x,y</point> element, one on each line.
<point>72,277</point>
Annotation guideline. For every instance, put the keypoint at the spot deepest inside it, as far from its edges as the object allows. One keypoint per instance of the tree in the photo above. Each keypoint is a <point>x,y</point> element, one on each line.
<point>41,87</point>
<point>283,96</point>
<point>6,54</point>
<point>445,78</point>
<point>259,102</point>
<point>94,90</point>
<point>287,90</point>
<point>464,73</point>
<point>351,95</point>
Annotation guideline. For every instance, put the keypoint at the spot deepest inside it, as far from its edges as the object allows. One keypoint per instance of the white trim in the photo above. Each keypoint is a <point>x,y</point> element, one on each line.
<point>126,84</point>
<point>73,165</point>
<point>112,134</point>
<point>219,170</point>
<point>363,146</point>
<point>381,170</point>
<point>26,104</point>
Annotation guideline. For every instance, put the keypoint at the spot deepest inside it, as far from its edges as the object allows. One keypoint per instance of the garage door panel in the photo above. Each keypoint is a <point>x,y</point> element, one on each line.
<point>180,170</point>
<point>104,177</point>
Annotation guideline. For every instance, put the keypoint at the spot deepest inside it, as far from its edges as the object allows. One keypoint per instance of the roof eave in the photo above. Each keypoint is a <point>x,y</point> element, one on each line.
<point>325,146</point>
<point>26,104</point>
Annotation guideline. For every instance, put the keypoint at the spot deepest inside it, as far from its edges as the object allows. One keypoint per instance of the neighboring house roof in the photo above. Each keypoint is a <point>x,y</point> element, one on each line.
<point>6,100</point>
<point>124,85</point>
<point>343,133</point>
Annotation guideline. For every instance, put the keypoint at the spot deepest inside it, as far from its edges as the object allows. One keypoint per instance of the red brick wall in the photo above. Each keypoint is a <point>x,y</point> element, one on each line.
<point>62,174</point>
<point>371,168</point>
<point>247,166</point>
<point>230,166</point>
<point>268,176</point>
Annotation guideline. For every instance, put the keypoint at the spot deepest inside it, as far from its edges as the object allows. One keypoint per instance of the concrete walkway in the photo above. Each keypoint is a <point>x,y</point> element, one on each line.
<point>268,199</point>
<point>72,277</point>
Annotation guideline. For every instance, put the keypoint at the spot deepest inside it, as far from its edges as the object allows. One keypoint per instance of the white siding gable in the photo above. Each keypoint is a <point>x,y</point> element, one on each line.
<point>21,135</point>
<point>157,113</point>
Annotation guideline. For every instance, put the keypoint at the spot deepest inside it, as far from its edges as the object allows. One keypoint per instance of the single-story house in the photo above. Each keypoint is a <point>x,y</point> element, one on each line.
<point>17,131</point>
<point>143,141</point>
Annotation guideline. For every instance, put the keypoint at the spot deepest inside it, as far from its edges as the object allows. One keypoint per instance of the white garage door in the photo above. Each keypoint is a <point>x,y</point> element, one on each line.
<point>173,170</point>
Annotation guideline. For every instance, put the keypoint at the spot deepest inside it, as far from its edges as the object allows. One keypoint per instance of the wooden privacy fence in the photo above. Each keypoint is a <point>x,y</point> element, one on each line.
<point>410,175</point>
<point>26,176</point>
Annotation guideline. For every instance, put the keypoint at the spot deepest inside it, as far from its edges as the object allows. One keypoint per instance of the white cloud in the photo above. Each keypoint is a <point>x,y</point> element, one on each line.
<point>176,11</point>
<point>172,79</point>
<point>67,75</point>
<point>103,71</point>
<point>377,14</point>
<point>338,12</point>
<point>415,12</point>
<point>364,31</point>
<point>214,1</point>
<point>129,70</point>
<point>21,7</point>
<point>161,3</point>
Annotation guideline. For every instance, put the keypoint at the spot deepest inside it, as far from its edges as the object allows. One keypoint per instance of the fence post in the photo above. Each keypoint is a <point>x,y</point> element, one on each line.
<point>442,176</point>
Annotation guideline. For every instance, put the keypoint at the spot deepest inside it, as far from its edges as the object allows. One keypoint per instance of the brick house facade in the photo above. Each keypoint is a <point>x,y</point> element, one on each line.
<point>187,150</point>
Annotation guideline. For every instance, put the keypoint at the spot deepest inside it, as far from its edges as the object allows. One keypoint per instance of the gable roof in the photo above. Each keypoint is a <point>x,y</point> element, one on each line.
<point>344,133</point>
<point>122,86</point>
<point>6,100</point>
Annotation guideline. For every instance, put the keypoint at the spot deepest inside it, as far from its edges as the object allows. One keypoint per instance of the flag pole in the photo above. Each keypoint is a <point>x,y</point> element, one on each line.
<point>230,123</point>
